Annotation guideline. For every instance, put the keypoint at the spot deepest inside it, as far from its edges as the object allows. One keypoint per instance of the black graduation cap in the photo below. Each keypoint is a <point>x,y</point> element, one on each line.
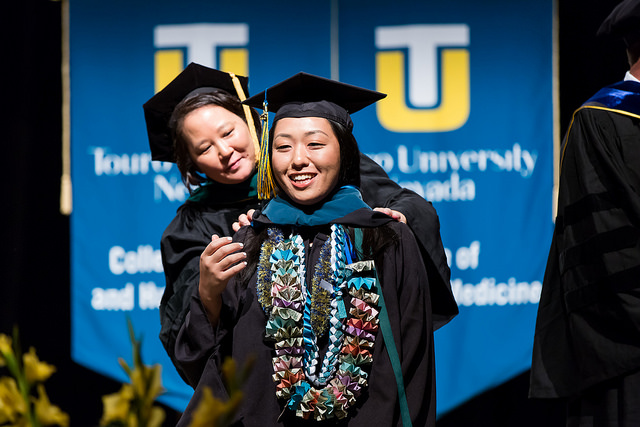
<point>623,22</point>
<point>306,95</point>
<point>193,80</point>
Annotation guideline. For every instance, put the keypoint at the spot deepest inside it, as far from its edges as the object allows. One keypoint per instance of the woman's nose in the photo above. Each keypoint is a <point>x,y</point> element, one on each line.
<point>224,150</point>
<point>300,158</point>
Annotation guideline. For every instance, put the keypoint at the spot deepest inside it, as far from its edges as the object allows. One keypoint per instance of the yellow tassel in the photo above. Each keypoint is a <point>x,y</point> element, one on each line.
<point>247,113</point>
<point>266,187</point>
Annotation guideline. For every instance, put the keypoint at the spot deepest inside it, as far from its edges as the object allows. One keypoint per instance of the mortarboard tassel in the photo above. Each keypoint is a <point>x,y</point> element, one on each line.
<point>266,187</point>
<point>247,113</point>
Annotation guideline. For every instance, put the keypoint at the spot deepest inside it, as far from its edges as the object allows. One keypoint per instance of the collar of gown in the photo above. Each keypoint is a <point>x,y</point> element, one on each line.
<point>345,206</point>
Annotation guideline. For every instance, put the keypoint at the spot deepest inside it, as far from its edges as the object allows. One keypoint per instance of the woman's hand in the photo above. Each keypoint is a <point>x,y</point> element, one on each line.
<point>219,262</point>
<point>398,216</point>
<point>244,219</point>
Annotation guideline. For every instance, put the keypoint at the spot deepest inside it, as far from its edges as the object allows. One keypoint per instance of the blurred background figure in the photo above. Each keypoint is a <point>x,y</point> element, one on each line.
<point>587,342</point>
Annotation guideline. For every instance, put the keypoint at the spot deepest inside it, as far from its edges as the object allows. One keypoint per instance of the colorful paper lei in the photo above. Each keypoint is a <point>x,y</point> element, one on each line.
<point>298,316</point>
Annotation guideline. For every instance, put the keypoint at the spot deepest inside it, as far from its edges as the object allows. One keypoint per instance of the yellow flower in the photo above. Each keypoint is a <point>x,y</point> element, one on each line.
<point>48,414</point>
<point>147,382</point>
<point>117,405</point>
<point>5,349</point>
<point>5,344</point>
<point>213,412</point>
<point>12,405</point>
<point>209,410</point>
<point>22,422</point>
<point>156,418</point>
<point>154,374</point>
<point>35,370</point>
<point>133,405</point>
<point>118,408</point>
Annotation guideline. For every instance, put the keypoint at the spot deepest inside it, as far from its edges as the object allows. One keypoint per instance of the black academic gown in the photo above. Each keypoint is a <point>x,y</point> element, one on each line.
<point>588,324</point>
<point>190,232</point>
<point>184,240</point>
<point>201,350</point>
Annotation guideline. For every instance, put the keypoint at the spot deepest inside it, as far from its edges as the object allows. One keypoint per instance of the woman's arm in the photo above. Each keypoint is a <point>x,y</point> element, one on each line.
<point>209,319</point>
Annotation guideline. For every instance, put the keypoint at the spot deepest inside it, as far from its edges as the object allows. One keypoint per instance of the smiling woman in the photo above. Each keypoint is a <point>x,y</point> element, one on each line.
<point>335,302</point>
<point>212,136</point>
<point>219,143</point>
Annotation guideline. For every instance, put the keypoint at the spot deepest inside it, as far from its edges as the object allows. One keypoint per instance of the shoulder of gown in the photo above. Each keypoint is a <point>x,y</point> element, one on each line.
<point>378,190</point>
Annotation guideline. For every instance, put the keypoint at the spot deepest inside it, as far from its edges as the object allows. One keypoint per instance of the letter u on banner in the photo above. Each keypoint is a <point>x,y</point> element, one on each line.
<point>451,110</point>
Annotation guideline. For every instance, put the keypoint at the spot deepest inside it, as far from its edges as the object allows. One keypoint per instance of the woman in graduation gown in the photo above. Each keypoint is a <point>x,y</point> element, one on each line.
<point>202,105</point>
<point>333,293</point>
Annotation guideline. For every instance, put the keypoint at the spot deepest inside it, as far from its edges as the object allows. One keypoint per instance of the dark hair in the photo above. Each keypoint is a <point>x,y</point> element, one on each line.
<point>219,97</point>
<point>349,155</point>
<point>349,173</point>
<point>633,53</point>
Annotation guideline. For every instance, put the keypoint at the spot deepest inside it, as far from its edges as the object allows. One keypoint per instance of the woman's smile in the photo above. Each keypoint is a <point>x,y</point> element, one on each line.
<point>302,180</point>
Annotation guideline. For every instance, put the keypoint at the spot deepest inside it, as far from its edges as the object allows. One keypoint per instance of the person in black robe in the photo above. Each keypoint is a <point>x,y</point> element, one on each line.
<point>213,206</point>
<point>587,337</point>
<point>321,353</point>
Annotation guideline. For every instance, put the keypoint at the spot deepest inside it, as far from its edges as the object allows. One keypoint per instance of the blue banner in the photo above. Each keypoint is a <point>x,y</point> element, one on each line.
<point>468,124</point>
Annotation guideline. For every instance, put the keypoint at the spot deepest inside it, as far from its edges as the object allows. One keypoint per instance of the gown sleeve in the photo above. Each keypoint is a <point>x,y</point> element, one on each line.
<point>182,243</point>
<point>198,342</point>
<point>378,190</point>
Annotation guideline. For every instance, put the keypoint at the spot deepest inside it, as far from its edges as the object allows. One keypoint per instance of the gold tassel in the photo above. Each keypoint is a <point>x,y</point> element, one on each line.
<point>247,113</point>
<point>266,187</point>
